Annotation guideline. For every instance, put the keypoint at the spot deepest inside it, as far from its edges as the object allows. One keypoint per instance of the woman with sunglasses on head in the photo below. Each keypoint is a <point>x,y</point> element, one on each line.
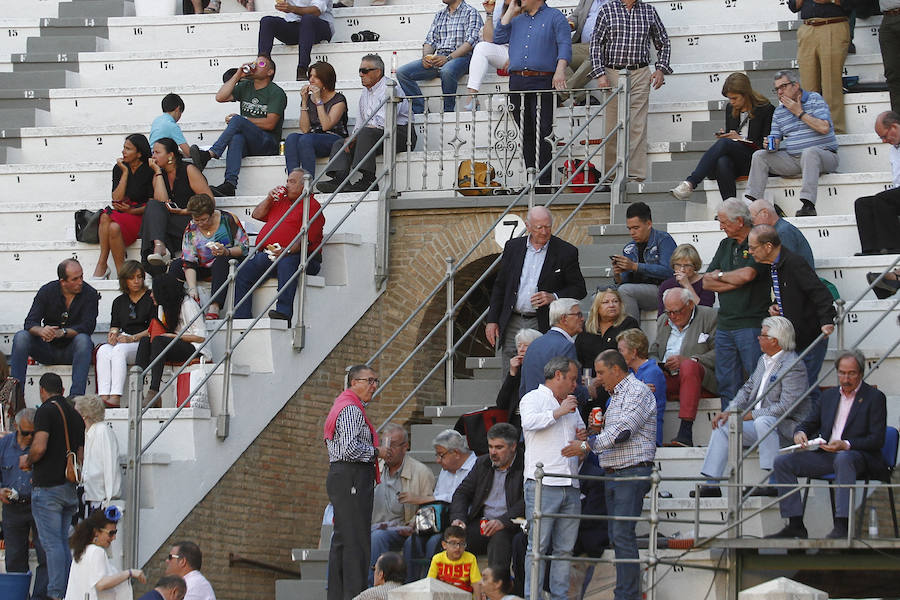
<point>100,474</point>
<point>129,322</point>
<point>93,574</point>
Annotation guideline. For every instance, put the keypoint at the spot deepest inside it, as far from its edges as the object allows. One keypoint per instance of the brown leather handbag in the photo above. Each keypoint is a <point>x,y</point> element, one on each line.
<point>73,469</point>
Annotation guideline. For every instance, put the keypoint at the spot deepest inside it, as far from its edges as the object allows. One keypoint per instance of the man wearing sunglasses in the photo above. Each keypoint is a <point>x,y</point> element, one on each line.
<point>369,132</point>
<point>256,131</point>
<point>15,494</point>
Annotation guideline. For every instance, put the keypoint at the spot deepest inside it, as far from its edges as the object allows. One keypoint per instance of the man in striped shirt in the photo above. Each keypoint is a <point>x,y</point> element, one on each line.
<point>353,452</point>
<point>446,54</point>
<point>626,447</point>
<point>807,145</point>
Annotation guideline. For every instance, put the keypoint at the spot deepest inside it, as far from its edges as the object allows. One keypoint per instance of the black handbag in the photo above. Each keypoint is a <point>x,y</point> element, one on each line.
<point>87,225</point>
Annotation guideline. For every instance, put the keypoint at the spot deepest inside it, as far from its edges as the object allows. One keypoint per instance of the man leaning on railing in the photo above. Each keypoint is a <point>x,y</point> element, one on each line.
<point>851,420</point>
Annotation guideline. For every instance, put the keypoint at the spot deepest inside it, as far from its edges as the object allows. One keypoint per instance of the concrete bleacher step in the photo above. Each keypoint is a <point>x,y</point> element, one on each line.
<point>29,80</point>
<point>96,8</point>
<point>711,509</point>
<point>828,236</point>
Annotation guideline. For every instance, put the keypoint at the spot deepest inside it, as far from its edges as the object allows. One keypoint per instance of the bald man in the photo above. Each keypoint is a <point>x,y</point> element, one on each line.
<point>534,271</point>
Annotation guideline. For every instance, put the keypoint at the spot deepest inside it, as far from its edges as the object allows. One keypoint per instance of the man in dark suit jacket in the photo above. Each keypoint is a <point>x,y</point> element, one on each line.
<point>690,367</point>
<point>534,271</point>
<point>503,465</point>
<point>800,297</point>
<point>852,419</point>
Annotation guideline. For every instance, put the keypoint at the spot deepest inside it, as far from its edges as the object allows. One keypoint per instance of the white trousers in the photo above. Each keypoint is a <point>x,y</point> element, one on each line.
<point>485,55</point>
<point>112,367</point>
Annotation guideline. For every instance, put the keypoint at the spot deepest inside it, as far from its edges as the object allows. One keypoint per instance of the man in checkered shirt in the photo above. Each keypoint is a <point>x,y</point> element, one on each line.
<point>626,447</point>
<point>446,54</point>
<point>621,41</point>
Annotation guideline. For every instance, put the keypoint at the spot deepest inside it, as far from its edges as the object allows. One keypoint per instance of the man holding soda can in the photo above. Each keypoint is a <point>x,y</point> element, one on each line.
<point>802,142</point>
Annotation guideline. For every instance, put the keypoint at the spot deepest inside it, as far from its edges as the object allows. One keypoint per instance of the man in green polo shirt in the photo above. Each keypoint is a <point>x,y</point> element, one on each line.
<point>254,132</point>
<point>744,288</point>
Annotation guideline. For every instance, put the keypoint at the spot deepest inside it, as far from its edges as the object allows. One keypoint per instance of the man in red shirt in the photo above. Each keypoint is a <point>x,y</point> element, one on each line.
<point>276,239</point>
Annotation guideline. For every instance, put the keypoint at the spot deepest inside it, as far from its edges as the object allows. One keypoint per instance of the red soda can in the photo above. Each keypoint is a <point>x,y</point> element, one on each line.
<point>279,193</point>
<point>484,523</point>
<point>596,417</point>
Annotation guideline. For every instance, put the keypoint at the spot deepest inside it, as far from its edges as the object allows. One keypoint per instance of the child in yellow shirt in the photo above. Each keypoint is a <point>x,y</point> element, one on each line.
<point>454,565</point>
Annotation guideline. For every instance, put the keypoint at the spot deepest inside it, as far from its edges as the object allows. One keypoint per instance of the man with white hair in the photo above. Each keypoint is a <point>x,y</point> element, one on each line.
<point>763,212</point>
<point>777,344</point>
<point>456,461</point>
<point>800,297</point>
<point>743,286</point>
<point>534,271</point>
<point>567,321</point>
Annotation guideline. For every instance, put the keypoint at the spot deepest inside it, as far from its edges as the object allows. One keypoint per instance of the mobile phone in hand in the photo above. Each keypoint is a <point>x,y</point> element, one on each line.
<point>172,205</point>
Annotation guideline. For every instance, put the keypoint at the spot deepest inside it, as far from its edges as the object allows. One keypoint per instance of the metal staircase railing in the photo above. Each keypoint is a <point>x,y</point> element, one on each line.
<point>446,323</point>
<point>225,327</point>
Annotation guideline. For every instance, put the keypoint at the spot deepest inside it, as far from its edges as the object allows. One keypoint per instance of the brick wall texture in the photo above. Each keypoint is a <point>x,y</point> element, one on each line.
<point>271,500</point>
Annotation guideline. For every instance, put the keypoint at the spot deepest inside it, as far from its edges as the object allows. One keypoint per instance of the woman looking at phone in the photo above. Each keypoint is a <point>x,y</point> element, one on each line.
<point>166,216</point>
<point>746,124</point>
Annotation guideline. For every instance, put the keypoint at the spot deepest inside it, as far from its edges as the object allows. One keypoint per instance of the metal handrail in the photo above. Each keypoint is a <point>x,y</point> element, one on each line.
<point>446,281</point>
<point>538,515</point>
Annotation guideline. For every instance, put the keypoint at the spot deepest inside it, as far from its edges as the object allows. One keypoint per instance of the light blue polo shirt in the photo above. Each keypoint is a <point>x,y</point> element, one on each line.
<point>165,126</point>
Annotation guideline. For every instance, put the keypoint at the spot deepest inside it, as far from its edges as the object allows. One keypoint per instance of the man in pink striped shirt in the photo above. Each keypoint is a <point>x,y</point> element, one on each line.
<point>851,419</point>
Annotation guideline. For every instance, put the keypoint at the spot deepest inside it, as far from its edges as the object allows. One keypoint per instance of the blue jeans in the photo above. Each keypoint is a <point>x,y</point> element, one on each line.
<point>242,138</point>
<point>76,353</point>
<point>813,363</point>
<point>737,352</point>
<point>725,161</point>
<point>302,149</point>
<point>410,73</point>
<point>253,268</point>
<point>53,509</point>
<point>625,499</point>
<point>383,540</point>
<point>560,534</point>
<point>18,522</point>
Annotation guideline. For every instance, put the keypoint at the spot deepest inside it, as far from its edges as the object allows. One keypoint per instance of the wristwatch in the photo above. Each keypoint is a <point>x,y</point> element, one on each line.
<point>720,275</point>
<point>64,331</point>
<point>584,446</point>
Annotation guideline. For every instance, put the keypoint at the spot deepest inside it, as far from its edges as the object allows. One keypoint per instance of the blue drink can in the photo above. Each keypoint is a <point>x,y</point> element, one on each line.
<point>770,143</point>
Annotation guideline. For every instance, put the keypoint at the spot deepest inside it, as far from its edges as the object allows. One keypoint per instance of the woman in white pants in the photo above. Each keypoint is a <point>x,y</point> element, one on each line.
<point>487,53</point>
<point>129,322</point>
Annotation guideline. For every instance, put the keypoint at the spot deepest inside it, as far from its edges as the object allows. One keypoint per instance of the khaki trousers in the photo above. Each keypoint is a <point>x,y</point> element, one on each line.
<point>821,52</point>
<point>640,104</point>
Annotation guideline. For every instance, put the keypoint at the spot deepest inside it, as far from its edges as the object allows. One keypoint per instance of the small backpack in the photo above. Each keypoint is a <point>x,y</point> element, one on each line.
<point>475,179</point>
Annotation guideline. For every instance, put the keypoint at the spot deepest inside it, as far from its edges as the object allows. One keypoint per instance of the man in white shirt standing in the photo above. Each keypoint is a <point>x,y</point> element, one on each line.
<point>185,559</point>
<point>369,130</point>
<point>550,423</point>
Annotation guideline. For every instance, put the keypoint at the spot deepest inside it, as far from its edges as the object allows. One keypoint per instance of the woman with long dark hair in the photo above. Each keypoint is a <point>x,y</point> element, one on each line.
<point>166,216</point>
<point>175,311</point>
<point>746,124</point>
<point>132,186</point>
<point>92,573</point>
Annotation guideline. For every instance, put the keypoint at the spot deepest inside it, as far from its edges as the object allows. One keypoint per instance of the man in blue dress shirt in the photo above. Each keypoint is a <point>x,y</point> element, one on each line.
<point>15,494</point>
<point>540,49</point>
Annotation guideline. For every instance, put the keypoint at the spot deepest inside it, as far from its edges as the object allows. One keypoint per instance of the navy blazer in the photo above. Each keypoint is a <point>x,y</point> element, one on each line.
<point>865,425</point>
<point>560,275</point>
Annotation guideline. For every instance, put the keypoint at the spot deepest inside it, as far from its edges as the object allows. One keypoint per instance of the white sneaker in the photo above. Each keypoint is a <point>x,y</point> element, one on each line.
<point>160,260</point>
<point>683,190</point>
